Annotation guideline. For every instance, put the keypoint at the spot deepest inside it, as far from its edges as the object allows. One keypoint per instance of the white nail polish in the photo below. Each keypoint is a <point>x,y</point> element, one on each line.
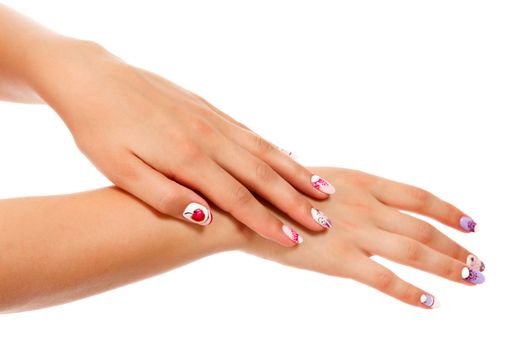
<point>292,234</point>
<point>321,218</point>
<point>475,264</point>
<point>198,214</point>
<point>429,300</point>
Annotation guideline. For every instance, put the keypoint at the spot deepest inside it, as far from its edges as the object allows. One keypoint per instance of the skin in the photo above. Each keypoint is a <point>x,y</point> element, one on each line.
<point>150,137</point>
<point>91,242</point>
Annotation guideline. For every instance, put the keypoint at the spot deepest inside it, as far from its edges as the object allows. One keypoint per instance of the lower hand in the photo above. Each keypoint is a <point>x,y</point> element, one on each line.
<point>367,221</point>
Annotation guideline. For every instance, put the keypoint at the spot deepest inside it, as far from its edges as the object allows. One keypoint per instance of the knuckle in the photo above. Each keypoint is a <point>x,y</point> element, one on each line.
<point>406,293</point>
<point>425,232</point>
<point>203,129</point>
<point>384,280</point>
<point>420,197</point>
<point>412,250</point>
<point>262,146</point>
<point>168,202</point>
<point>263,172</point>
<point>448,271</point>
<point>241,197</point>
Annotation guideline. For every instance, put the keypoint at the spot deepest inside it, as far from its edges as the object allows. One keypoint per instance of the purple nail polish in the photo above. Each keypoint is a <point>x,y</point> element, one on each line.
<point>468,224</point>
<point>429,300</point>
<point>472,276</point>
<point>475,263</point>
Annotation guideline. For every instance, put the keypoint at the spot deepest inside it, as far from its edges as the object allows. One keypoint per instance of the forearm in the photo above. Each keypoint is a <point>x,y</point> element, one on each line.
<point>62,248</point>
<point>32,57</point>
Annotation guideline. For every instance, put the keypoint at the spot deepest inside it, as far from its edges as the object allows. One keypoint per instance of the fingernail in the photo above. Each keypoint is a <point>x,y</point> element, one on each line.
<point>322,185</point>
<point>468,224</point>
<point>321,218</point>
<point>292,234</point>
<point>474,277</point>
<point>198,214</point>
<point>475,263</point>
<point>288,153</point>
<point>429,300</point>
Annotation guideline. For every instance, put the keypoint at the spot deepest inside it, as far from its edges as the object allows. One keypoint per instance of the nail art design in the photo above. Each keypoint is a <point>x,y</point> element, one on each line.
<point>429,300</point>
<point>468,224</point>
<point>321,218</point>
<point>198,214</point>
<point>475,264</point>
<point>288,153</point>
<point>472,276</point>
<point>322,185</point>
<point>292,234</point>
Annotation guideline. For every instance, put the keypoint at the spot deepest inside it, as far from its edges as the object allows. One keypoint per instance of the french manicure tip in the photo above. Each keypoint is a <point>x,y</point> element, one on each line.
<point>472,276</point>
<point>429,300</point>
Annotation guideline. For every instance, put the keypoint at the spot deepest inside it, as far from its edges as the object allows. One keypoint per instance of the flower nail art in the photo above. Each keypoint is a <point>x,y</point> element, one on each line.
<point>321,218</point>
<point>292,234</point>
<point>198,214</point>
<point>322,185</point>
<point>472,276</point>
<point>468,224</point>
<point>475,264</point>
<point>429,300</point>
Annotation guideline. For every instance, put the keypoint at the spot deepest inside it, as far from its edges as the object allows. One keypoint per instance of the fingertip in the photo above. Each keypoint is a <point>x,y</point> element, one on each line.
<point>198,214</point>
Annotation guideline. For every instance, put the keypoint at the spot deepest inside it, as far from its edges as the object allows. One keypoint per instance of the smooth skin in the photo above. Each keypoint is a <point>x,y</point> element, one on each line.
<point>63,248</point>
<point>152,138</point>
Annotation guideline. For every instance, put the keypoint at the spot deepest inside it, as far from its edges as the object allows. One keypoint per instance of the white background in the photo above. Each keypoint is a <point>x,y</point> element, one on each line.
<point>429,93</point>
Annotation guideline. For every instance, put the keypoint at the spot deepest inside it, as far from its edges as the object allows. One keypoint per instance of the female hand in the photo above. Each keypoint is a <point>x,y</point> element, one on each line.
<point>367,222</point>
<point>167,145</point>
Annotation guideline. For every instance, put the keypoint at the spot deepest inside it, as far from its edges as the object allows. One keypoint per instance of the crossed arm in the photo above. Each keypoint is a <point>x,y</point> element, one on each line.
<point>63,248</point>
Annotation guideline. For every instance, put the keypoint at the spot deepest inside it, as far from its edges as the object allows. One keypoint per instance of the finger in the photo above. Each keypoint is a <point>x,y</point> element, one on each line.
<point>259,177</point>
<point>417,200</point>
<point>410,252</point>
<point>397,222</point>
<point>297,175</point>
<point>371,273</point>
<point>163,194</point>
<point>221,113</point>
<point>230,195</point>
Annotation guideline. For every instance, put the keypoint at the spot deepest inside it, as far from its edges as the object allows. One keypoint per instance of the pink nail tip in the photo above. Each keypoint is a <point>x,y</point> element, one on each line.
<point>322,185</point>
<point>321,218</point>
<point>292,234</point>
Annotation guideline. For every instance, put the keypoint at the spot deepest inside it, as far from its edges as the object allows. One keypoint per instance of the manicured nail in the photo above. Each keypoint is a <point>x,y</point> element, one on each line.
<point>322,185</point>
<point>321,218</point>
<point>429,300</point>
<point>474,277</point>
<point>292,234</point>
<point>468,224</point>
<point>198,214</point>
<point>475,263</point>
<point>288,153</point>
